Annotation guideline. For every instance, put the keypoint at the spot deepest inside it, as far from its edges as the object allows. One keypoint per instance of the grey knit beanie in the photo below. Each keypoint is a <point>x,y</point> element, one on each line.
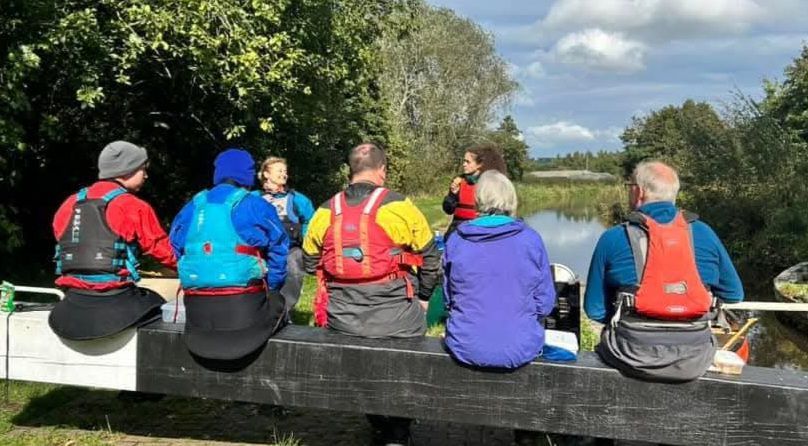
<point>120,158</point>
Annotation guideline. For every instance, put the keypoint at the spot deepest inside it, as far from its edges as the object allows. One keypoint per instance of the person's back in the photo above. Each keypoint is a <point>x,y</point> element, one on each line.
<point>363,245</point>
<point>232,250</point>
<point>651,280</point>
<point>99,232</point>
<point>497,286</point>
<point>365,242</point>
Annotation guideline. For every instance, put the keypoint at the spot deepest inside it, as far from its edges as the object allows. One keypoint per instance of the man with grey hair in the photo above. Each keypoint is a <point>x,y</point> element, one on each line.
<point>653,280</point>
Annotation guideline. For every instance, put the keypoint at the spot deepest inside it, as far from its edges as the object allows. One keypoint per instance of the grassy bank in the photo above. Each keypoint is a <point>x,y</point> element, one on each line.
<point>584,199</point>
<point>61,415</point>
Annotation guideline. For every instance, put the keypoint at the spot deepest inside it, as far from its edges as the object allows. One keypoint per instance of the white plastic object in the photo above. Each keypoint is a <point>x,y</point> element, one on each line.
<point>727,362</point>
<point>561,339</point>
<point>172,313</point>
<point>562,273</point>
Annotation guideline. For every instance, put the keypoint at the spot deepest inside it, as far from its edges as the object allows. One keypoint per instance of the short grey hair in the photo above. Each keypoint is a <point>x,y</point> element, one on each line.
<point>495,194</point>
<point>659,180</point>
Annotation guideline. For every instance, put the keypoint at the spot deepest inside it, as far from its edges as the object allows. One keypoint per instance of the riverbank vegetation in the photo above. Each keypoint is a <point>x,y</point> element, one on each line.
<point>601,161</point>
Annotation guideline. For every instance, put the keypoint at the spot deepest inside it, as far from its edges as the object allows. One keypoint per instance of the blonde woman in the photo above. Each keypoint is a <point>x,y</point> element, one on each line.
<point>295,211</point>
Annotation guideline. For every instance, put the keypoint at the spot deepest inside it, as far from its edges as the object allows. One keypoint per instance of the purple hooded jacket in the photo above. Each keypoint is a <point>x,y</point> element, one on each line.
<point>497,286</point>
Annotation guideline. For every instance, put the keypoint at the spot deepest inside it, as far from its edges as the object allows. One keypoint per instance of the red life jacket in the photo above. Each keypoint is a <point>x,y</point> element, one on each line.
<point>356,250</point>
<point>670,287</point>
<point>466,203</point>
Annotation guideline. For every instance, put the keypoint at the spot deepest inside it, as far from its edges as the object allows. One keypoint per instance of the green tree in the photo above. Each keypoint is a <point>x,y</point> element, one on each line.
<point>788,102</point>
<point>679,135</point>
<point>185,78</point>
<point>442,83</point>
<point>514,149</point>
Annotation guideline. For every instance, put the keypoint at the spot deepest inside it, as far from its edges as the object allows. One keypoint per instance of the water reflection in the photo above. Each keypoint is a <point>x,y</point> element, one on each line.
<point>776,345</point>
<point>570,235</point>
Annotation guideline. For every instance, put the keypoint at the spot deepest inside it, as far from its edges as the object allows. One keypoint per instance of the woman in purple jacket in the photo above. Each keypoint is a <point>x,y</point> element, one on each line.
<point>498,285</point>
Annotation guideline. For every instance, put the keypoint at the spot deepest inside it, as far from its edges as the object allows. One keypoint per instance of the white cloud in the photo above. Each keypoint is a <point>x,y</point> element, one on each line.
<point>655,20</point>
<point>524,97</point>
<point>561,132</point>
<point>535,70</point>
<point>599,50</point>
<point>611,134</point>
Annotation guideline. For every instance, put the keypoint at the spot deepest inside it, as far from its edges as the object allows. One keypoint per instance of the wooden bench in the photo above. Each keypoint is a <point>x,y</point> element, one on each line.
<point>309,367</point>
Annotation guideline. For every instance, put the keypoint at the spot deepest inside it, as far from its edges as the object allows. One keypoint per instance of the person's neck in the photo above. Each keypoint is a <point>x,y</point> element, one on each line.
<point>120,182</point>
<point>273,188</point>
<point>654,202</point>
<point>369,179</point>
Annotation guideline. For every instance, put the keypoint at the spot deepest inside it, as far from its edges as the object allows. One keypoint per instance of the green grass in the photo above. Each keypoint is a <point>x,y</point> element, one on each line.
<point>589,337</point>
<point>797,291</point>
<point>62,415</point>
<point>436,331</point>
<point>432,208</point>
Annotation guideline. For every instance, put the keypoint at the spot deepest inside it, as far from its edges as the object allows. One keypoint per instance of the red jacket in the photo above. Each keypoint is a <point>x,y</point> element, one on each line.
<point>128,216</point>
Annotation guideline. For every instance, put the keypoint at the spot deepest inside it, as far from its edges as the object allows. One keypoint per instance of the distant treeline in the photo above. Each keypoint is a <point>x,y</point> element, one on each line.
<point>601,161</point>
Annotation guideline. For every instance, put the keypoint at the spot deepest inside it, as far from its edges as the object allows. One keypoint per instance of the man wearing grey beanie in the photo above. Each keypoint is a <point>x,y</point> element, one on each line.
<point>99,230</point>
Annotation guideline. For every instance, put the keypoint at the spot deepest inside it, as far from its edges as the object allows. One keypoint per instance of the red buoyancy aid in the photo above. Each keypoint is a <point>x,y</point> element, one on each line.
<point>356,250</point>
<point>670,287</point>
<point>466,202</point>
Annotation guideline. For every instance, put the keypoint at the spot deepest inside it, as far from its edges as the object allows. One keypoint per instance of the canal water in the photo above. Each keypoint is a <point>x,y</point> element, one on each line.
<point>570,235</point>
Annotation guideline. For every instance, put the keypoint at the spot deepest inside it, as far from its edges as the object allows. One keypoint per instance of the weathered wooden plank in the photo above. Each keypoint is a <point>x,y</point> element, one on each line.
<point>414,378</point>
<point>37,354</point>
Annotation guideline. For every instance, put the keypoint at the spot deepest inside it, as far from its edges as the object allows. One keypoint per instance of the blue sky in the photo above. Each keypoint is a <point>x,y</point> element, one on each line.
<point>587,66</point>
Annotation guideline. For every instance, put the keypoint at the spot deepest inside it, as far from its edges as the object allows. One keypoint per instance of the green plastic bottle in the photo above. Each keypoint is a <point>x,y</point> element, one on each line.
<point>6,297</point>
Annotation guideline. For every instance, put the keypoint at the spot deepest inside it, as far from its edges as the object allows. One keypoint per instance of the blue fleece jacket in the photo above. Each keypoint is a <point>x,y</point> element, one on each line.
<point>612,265</point>
<point>497,286</point>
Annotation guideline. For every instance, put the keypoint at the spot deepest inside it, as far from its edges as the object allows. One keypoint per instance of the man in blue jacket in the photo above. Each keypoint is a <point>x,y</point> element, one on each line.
<point>680,347</point>
<point>232,250</point>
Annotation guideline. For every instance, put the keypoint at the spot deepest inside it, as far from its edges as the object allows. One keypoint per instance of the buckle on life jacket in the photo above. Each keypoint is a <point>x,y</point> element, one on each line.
<point>626,300</point>
<point>409,259</point>
<point>354,253</point>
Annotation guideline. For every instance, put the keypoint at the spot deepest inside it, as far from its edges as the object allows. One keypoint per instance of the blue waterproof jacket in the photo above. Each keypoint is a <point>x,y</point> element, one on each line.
<point>497,286</point>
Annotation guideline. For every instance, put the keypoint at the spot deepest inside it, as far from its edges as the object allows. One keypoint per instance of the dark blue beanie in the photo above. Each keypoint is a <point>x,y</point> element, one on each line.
<point>236,165</point>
